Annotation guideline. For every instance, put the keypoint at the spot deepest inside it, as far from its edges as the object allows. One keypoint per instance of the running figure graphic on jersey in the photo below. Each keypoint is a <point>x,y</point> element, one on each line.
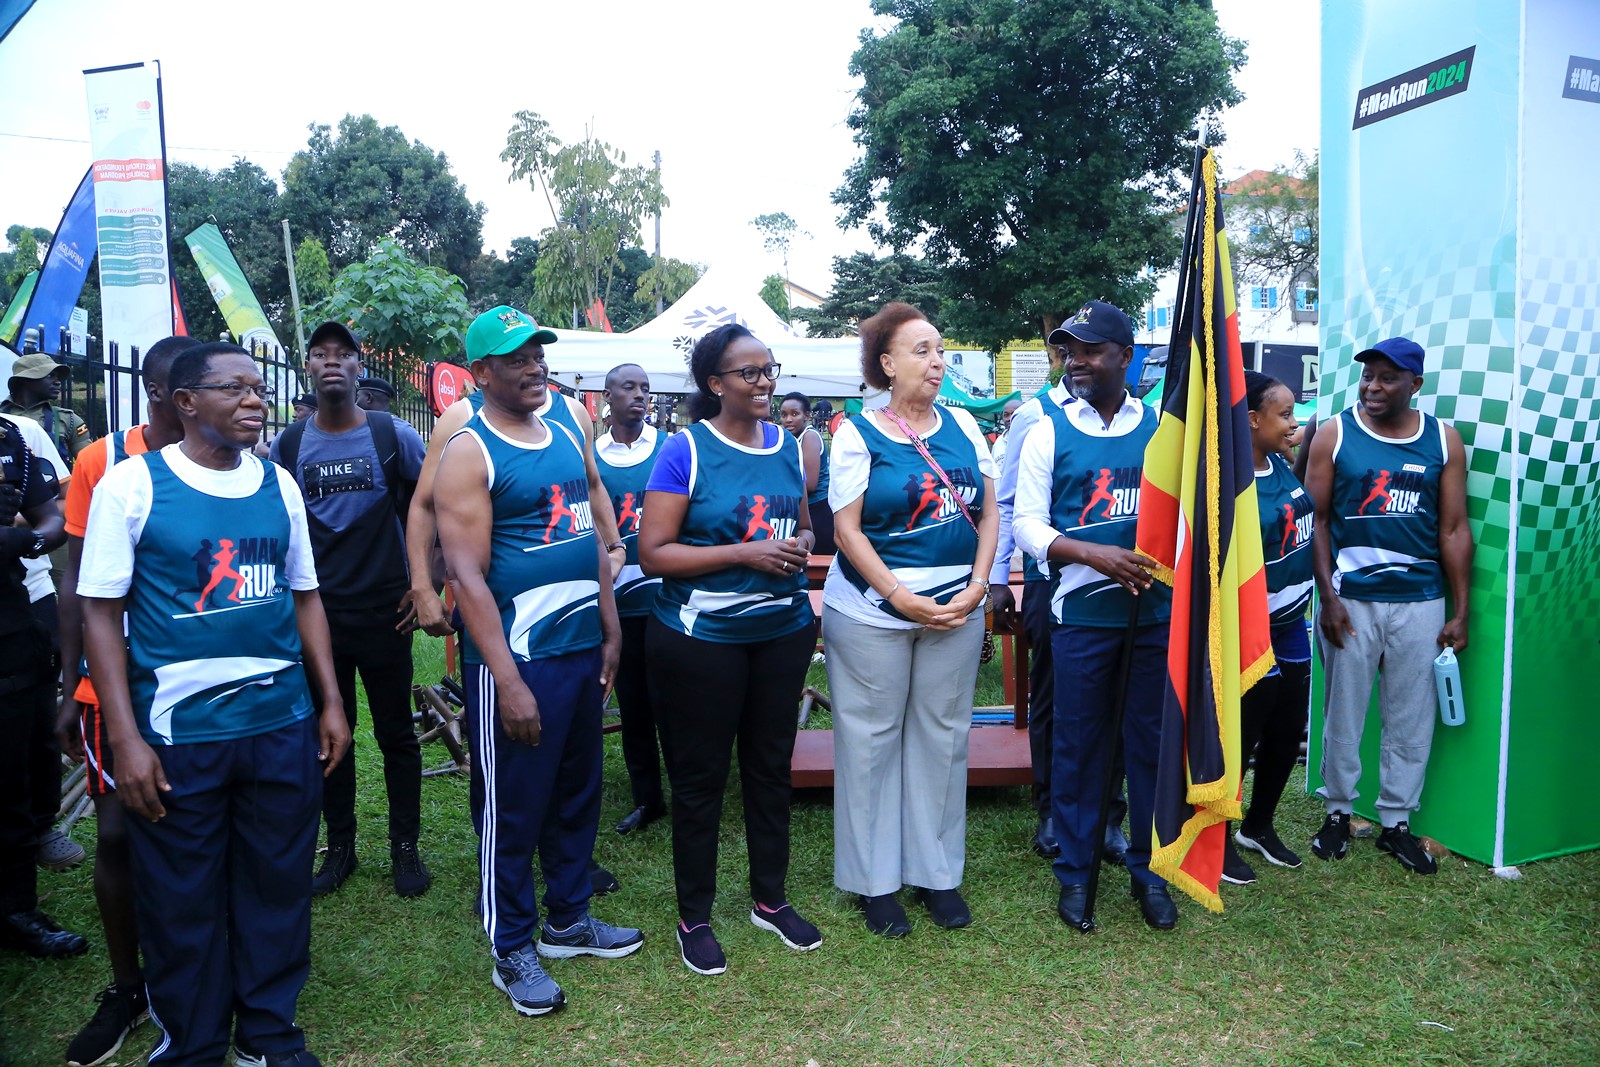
<point>558,508</point>
<point>758,520</point>
<point>1380,493</point>
<point>223,568</point>
<point>929,497</point>
<point>1288,529</point>
<point>627,511</point>
<point>1102,494</point>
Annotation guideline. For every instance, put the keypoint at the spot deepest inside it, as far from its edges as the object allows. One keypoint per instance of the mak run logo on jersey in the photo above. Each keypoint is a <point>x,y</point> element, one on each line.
<point>931,503</point>
<point>629,510</point>
<point>235,573</point>
<point>563,503</point>
<point>768,517</point>
<point>1395,494</point>
<point>1296,521</point>
<point>1110,494</point>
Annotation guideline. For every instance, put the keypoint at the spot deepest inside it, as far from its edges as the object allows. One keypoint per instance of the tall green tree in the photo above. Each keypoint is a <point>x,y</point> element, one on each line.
<point>776,296</point>
<point>312,271</point>
<point>666,280</point>
<point>494,281</point>
<point>863,283</point>
<point>242,199</point>
<point>599,203</point>
<point>1033,147</point>
<point>367,182</point>
<point>778,233</point>
<point>27,251</point>
<point>1276,216</point>
<point>403,309</point>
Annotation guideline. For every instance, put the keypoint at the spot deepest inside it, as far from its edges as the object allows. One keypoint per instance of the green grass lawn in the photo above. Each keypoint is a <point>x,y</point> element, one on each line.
<point>1336,963</point>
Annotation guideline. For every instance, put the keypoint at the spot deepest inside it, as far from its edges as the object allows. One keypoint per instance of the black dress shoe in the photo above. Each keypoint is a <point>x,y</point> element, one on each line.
<point>37,934</point>
<point>1044,840</point>
<point>639,818</point>
<point>946,908</point>
<point>1116,850</point>
<point>1156,906</point>
<point>1070,906</point>
<point>885,917</point>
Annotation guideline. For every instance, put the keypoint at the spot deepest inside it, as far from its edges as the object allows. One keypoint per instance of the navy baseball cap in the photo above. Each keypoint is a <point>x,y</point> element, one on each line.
<point>1401,351</point>
<point>337,330</point>
<point>1095,322</point>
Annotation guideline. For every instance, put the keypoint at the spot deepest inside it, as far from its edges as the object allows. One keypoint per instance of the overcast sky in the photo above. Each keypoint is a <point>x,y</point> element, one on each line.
<point>746,101</point>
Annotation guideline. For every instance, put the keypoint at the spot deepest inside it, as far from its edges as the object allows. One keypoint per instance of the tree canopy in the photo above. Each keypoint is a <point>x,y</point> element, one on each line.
<point>863,283</point>
<point>1033,147</point>
<point>1276,213</point>
<point>599,203</point>
<point>368,182</point>
<point>401,308</point>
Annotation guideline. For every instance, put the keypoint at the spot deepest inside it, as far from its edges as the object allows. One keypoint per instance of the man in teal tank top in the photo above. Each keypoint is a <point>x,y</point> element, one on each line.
<point>533,581</point>
<point>1390,485</point>
<point>1077,506</point>
<point>219,757</point>
<point>626,456</point>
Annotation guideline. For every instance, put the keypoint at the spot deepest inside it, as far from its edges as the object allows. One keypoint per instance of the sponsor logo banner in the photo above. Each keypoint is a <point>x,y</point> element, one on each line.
<point>1426,84</point>
<point>1583,79</point>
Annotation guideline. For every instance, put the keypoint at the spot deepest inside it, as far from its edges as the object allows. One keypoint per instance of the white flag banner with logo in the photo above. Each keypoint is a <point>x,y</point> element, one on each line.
<point>137,298</point>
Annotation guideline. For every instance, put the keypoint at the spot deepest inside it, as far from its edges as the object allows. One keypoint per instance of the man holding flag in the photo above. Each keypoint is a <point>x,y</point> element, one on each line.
<point>1199,523</point>
<point>1077,506</point>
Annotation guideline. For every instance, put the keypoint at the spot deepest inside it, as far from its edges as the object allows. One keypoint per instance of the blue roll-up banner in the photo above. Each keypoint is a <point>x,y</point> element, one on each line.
<point>11,12</point>
<point>66,268</point>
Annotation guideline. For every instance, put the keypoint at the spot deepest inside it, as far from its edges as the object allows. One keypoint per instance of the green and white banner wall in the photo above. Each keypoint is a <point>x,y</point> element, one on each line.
<point>1460,139</point>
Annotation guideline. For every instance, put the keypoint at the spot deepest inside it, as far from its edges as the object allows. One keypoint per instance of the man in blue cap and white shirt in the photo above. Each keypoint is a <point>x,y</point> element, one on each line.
<point>1390,485</point>
<point>1078,478</point>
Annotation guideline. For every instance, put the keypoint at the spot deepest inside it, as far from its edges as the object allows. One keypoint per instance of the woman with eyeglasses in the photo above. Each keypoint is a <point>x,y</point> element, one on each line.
<point>726,528</point>
<point>902,616</point>
<point>794,413</point>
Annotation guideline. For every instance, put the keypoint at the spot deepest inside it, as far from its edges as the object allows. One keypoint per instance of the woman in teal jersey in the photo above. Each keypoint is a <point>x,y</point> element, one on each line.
<point>794,413</point>
<point>727,529</point>
<point>916,522</point>
<point>1273,712</point>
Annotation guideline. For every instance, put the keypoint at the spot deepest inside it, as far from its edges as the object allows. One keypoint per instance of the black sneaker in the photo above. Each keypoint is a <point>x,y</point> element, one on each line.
<point>885,917</point>
<point>1235,871</point>
<point>337,866</point>
<point>946,908</point>
<point>1403,845</point>
<point>602,881</point>
<point>788,925</point>
<point>122,1009</point>
<point>411,877</point>
<point>701,953</point>
<point>1269,845</point>
<point>1332,842</point>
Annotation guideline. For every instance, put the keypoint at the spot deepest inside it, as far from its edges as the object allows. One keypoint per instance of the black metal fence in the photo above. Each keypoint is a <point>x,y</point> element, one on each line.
<point>108,394</point>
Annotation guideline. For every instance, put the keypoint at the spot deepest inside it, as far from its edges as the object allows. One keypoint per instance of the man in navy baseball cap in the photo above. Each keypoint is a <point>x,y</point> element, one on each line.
<point>1095,322</point>
<point>1401,351</point>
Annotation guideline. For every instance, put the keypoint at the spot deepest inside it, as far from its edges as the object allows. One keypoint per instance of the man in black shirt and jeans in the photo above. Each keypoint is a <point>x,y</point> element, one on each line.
<point>27,695</point>
<point>357,470</point>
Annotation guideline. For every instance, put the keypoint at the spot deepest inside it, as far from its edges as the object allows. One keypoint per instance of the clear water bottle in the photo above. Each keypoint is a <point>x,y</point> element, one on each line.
<point>1447,679</point>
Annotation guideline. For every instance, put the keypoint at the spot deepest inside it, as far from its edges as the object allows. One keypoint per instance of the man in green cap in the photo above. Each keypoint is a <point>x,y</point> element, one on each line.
<point>35,386</point>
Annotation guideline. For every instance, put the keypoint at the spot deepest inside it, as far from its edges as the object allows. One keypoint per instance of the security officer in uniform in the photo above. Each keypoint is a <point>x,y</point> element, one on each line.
<point>35,386</point>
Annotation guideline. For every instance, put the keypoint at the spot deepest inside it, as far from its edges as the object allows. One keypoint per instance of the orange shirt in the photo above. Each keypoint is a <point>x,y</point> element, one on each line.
<point>86,474</point>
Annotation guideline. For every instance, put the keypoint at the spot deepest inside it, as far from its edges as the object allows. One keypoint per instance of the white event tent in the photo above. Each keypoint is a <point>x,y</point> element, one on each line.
<point>816,366</point>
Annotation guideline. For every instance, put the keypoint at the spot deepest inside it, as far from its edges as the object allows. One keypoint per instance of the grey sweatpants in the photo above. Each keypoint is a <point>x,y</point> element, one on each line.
<point>1396,642</point>
<point>902,712</point>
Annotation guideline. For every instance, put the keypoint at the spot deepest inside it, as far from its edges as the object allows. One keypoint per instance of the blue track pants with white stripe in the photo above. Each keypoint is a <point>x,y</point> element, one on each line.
<point>542,798</point>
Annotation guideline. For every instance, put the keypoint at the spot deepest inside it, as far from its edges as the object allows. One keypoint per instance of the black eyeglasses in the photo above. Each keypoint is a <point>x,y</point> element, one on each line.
<point>236,390</point>
<point>751,375</point>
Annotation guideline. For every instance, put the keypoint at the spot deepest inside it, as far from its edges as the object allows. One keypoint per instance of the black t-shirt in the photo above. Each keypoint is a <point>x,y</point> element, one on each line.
<point>18,465</point>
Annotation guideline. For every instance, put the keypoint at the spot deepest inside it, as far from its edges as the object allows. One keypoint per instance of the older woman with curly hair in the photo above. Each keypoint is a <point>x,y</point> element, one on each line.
<point>915,523</point>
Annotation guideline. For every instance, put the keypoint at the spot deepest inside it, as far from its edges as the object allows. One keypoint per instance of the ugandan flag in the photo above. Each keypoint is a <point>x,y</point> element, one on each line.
<point>1198,521</point>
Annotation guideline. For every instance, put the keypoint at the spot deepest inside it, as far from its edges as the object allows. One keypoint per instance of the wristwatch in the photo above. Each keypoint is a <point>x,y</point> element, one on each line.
<point>613,546</point>
<point>36,549</point>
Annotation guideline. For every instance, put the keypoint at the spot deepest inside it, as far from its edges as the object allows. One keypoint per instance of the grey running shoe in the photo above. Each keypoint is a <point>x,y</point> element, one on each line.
<point>532,992</point>
<point>589,937</point>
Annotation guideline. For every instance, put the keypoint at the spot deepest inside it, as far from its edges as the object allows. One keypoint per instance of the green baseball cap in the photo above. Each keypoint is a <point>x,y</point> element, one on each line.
<point>504,329</point>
